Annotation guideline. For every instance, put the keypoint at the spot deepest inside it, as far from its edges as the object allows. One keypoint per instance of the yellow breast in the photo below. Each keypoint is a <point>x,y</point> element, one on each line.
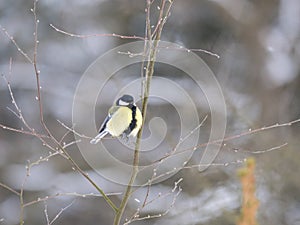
<point>120,121</point>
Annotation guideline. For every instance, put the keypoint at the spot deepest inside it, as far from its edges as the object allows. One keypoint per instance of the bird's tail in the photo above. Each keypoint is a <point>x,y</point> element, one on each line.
<point>96,139</point>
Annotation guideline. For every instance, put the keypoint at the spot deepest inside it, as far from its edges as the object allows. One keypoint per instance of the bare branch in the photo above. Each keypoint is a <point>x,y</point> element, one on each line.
<point>57,215</point>
<point>18,114</point>
<point>59,147</point>
<point>9,189</point>
<point>96,35</point>
<point>73,130</point>
<point>229,138</point>
<point>15,44</point>
<point>182,48</point>
<point>22,131</point>
<point>277,147</point>
<point>160,18</point>
<point>43,159</point>
<point>148,32</point>
<point>270,149</point>
<point>183,139</point>
<point>46,214</point>
<point>21,196</point>
<point>39,98</point>
<point>136,215</point>
<point>72,194</point>
<point>149,74</point>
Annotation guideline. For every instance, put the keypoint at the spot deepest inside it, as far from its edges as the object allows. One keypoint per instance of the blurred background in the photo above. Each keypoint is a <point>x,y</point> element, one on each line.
<point>259,47</point>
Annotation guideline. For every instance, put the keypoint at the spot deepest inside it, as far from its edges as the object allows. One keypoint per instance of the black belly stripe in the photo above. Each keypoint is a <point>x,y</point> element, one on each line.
<point>132,124</point>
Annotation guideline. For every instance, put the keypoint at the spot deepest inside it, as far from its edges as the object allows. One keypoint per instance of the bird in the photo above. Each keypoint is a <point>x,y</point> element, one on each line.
<point>124,119</point>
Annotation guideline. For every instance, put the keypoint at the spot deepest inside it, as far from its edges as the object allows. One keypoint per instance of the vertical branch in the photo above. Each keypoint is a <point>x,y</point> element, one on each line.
<point>21,197</point>
<point>148,22</point>
<point>34,62</point>
<point>153,44</point>
<point>148,35</point>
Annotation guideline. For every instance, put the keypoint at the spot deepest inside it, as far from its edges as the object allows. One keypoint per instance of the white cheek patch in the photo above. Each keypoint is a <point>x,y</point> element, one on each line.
<point>123,103</point>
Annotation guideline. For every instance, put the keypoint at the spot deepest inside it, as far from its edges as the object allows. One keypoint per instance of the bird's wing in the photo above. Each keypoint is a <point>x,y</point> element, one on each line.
<point>111,111</point>
<point>103,131</point>
<point>103,125</point>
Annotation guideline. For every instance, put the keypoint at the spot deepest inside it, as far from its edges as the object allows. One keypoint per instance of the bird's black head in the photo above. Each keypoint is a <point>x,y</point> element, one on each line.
<point>125,100</point>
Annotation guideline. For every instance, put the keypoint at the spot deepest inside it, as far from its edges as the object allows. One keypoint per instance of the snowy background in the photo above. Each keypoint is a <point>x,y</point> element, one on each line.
<point>259,71</point>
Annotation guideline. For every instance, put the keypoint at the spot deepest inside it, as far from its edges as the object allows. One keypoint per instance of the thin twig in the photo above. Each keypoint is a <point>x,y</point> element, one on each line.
<point>72,194</point>
<point>229,138</point>
<point>149,183</point>
<point>14,102</point>
<point>46,214</point>
<point>274,148</point>
<point>61,141</point>
<point>182,48</point>
<point>160,19</point>
<point>58,214</point>
<point>15,43</point>
<point>96,35</point>
<point>21,197</point>
<point>61,211</point>
<point>73,130</point>
<point>136,215</point>
<point>182,139</point>
<point>238,161</point>
<point>174,150</point>
<point>269,149</point>
<point>21,131</point>
<point>184,166</point>
<point>9,189</point>
<point>42,159</point>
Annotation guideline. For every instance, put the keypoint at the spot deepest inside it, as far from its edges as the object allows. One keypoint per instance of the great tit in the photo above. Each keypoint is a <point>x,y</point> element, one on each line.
<point>124,118</point>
